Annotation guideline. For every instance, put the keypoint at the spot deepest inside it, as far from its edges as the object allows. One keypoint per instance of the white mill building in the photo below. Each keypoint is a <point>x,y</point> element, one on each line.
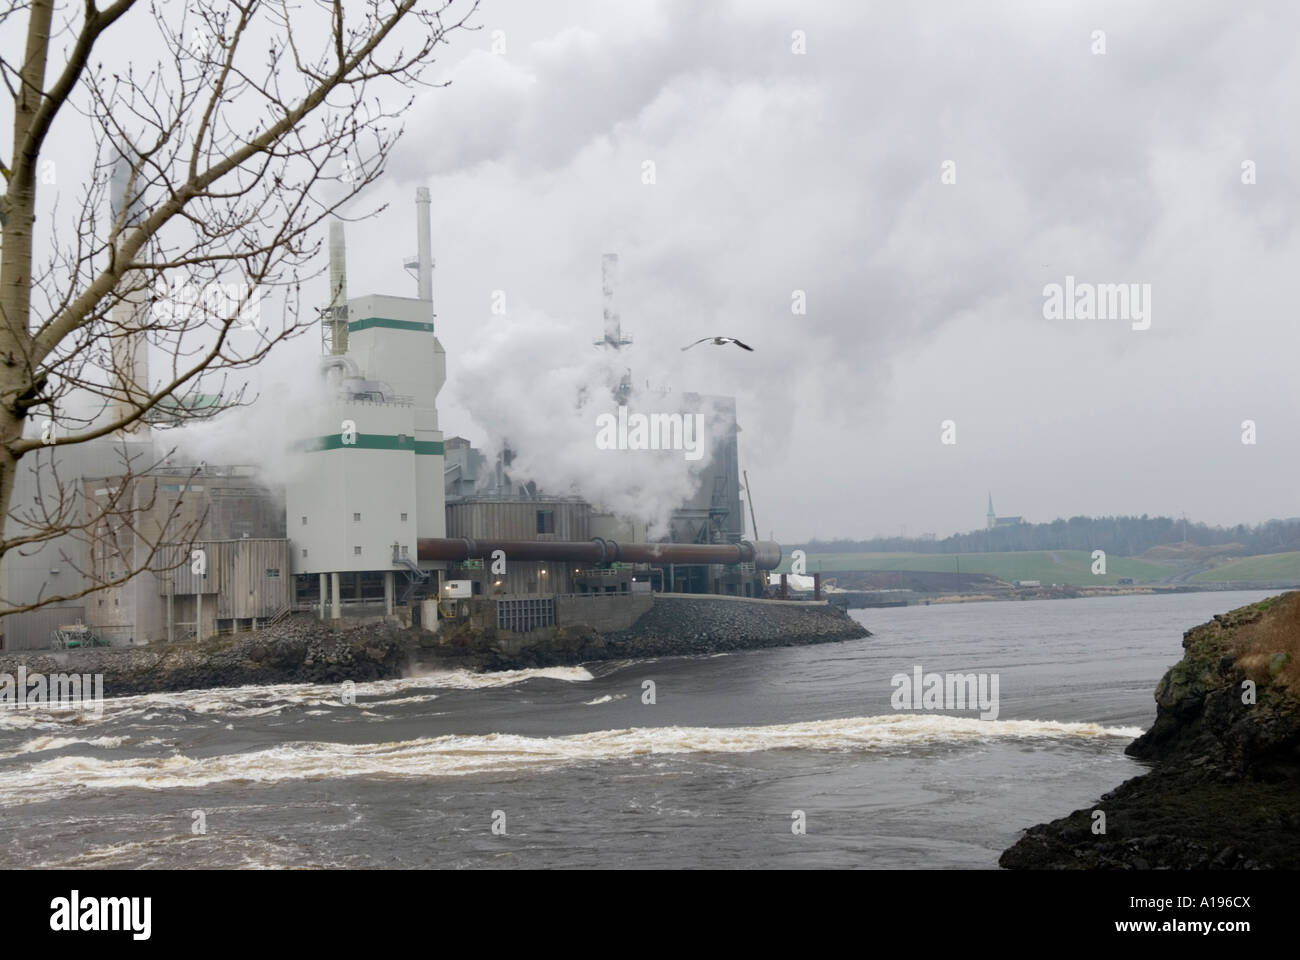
<point>373,481</point>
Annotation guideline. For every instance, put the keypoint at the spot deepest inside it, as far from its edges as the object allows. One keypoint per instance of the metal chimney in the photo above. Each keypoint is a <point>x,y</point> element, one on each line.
<point>613,326</point>
<point>120,175</point>
<point>424,255</point>
<point>128,345</point>
<point>608,277</point>
<point>336,314</point>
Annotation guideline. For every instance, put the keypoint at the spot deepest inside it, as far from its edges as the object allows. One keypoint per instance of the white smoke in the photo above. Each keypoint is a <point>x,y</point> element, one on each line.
<point>532,386</point>
<point>260,434</point>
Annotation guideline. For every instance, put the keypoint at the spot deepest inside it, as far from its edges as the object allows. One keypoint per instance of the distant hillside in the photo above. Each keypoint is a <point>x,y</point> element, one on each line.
<point>1192,552</point>
<point>1047,566</point>
<point>919,581</point>
<point>1269,567</point>
<point>1118,536</point>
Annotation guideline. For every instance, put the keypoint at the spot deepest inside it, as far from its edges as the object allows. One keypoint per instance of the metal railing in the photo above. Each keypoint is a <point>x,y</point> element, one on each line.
<point>593,595</point>
<point>389,400</point>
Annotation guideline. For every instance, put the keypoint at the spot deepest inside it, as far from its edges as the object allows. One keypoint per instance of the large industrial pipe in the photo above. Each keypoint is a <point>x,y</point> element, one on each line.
<point>765,555</point>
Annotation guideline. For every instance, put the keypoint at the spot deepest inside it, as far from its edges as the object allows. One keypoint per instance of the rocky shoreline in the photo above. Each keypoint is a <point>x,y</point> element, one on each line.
<point>1224,790</point>
<point>305,650</point>
<point>680,625</point>
<point>299,650</point>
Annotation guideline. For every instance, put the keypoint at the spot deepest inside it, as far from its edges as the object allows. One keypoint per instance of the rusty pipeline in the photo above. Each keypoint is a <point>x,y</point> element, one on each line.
<point>765,555</point>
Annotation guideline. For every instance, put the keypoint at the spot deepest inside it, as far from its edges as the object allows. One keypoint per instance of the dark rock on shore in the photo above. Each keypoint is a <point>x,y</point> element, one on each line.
<point>1224,791</point>
<point>299,650</point>
<point>305,650</point>
<point>674,626</point>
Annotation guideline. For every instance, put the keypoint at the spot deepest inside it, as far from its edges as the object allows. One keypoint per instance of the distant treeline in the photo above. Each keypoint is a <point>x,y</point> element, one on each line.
<point>1121,536</point>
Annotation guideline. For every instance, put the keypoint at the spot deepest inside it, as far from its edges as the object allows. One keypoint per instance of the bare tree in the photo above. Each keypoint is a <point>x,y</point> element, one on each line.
<point>225,136</point>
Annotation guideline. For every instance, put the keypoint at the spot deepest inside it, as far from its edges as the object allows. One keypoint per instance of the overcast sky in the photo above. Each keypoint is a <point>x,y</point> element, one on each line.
<point>822,172</point>
<point>777,171</point>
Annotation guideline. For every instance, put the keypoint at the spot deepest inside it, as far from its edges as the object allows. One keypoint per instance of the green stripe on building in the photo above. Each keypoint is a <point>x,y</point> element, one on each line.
<point>371,441</point>
<point>367,322</point>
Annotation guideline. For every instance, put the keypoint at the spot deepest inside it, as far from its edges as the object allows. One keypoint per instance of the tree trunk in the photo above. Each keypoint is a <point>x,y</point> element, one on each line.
<point>18,214</point>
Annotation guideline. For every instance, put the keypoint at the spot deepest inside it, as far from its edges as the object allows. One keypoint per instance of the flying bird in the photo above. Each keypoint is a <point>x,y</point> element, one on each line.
<point>720,341</point>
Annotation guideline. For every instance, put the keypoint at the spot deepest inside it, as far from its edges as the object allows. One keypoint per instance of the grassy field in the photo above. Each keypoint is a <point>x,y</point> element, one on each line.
<point>1268,566</point>
<point>1049,566</point>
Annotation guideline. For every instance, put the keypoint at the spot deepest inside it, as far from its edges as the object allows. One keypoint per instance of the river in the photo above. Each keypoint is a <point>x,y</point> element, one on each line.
<point>791,757</point>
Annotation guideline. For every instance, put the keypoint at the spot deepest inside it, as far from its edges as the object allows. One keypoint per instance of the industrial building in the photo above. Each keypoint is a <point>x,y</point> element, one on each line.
<point>383,517</point>
<point>152,519</point>
<point>374,484</point>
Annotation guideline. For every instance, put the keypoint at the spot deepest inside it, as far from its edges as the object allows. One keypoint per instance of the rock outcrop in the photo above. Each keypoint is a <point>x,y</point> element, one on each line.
<point>299,650</point>
<point>1224,791</point>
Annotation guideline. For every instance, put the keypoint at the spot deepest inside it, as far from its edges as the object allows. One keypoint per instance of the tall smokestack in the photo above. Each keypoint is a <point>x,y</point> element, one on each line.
<point>336,315</point>
<point>608,277</point>
<point>613,326</point>
<point>117,183</point>
<point>129,348</point>
<point>424,256</point>
<point>130,360</point>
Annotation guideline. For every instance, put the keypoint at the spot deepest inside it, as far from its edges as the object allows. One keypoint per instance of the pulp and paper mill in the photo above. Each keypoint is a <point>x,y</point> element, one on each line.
<point>386,517</point>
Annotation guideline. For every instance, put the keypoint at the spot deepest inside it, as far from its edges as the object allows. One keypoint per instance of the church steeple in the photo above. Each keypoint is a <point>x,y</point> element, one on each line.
<point>992,517</point>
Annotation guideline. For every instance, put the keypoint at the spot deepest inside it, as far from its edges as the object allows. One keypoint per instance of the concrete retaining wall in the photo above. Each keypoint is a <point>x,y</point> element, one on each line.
<point>602,613</point>
<point>698,623</point>
<point>667,625</point>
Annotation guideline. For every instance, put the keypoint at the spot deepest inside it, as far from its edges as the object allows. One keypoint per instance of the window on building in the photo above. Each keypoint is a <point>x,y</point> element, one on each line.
<point>403,518</point>
<point>304,551</point>
<point>356,551</point>
<point>272,571</point>
<point>403,551</point>
<point>304,521</point>
<point>545,521</point>
<point>356,518</point>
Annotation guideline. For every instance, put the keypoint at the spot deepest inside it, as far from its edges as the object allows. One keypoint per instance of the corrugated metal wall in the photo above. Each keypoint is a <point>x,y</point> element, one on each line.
<point>181,579</point>
<point>528,577</point>
<point>235,504</point>
<point>238,573</point>
<point>246,589</point>
<point>518,520</point>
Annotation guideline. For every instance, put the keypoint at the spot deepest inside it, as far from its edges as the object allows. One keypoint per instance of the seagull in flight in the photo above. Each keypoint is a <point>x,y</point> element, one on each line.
<point>720,341</point>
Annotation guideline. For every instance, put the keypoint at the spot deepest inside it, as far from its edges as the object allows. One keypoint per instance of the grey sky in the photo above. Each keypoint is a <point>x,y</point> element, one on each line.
<point>821,172</point>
